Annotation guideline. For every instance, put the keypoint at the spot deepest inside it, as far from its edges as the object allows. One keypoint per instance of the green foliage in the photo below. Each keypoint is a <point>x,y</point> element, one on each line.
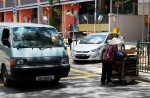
<point>54,22</point>
<point>53,2</point>
<point>58,11</point>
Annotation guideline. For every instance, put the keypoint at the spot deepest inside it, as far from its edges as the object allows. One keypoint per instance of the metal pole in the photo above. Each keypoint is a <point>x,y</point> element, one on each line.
<point>48,15</point>
<point>87,26</point>
<point>95,17</point>
<point>110,15</point>
<point>148,47</point>
<point>117,13</point>
<point>143,22</point>
<point>122,6</point>
<point>149,22</point>
<point>73,22</point>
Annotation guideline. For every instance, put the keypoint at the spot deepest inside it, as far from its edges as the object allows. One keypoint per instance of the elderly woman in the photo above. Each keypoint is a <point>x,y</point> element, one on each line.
<point>108,58</point>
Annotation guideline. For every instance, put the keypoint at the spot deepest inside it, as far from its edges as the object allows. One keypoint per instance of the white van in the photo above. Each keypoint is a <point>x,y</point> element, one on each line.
<point>33,52</point>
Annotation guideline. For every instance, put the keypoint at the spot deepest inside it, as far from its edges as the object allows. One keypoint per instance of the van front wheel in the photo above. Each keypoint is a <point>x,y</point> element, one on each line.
<point>6,80</point>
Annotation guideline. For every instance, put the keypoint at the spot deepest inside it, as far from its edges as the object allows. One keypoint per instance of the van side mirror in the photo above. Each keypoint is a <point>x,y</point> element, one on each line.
<point>6,42</point>
<point>65,48</point>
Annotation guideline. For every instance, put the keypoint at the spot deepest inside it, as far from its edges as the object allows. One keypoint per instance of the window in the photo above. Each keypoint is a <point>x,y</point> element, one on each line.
<point>5,37</point>
<point>35,37</point>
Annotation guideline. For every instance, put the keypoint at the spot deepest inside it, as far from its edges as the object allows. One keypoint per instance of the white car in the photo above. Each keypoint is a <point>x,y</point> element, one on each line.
<point>93,46</point>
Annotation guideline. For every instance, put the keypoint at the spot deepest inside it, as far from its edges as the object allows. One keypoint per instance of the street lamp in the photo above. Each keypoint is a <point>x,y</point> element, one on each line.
<point>85,17</point>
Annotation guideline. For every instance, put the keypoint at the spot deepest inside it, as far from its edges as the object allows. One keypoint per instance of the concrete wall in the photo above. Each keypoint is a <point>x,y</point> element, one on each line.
<point>131,27</point>
<point>8,16</point>
<point>25,13</point>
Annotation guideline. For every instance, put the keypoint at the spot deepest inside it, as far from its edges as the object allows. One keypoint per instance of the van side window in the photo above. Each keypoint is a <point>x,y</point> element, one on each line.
<point>5,37</point>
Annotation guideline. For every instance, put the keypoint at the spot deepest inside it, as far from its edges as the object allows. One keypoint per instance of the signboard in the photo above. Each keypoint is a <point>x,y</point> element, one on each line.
<point>14,11</point>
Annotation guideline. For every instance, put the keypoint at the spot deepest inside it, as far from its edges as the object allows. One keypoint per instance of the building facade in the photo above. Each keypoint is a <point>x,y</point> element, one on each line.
<point>39,11</point>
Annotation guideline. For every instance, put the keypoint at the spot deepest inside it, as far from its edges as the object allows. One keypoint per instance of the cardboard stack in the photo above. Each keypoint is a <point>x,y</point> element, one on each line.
<point>125,66</point>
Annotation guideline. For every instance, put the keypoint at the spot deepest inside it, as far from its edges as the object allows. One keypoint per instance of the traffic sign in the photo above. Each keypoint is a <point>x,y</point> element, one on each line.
<point>14,11</point>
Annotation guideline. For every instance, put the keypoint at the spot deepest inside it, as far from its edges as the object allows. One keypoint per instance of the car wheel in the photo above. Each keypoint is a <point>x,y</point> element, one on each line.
<point>122,47</point>
<point>7,82</point>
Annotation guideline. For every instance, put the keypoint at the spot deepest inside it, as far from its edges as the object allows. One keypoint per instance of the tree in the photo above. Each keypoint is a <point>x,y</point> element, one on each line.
<point>52,20</point>
<point>53,2</point>
<point>55,9</point>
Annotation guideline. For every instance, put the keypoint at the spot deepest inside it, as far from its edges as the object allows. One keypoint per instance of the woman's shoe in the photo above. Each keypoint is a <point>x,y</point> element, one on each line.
<point>102,83</point>
<point>110,84</point>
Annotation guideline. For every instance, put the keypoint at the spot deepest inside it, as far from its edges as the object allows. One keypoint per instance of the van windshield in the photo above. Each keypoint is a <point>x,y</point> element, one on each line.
<point>35,37</point>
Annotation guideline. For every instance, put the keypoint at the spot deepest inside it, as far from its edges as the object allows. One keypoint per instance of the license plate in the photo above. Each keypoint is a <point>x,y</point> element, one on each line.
<point>44,78</point>
<point>81,54</point>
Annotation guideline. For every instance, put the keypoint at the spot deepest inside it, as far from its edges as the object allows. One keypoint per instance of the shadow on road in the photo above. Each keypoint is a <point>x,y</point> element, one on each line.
<point>22,87</point>
<point>86,62</point>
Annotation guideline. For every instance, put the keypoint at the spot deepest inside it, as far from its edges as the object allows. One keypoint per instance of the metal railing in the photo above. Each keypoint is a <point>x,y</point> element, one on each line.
<point>144,56</point>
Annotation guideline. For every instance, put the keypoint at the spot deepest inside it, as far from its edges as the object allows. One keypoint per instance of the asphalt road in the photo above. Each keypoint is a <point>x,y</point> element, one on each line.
<point>83,82</point>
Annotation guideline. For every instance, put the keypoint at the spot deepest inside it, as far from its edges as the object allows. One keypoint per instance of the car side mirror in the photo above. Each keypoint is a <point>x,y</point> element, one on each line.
<point>65,47</point>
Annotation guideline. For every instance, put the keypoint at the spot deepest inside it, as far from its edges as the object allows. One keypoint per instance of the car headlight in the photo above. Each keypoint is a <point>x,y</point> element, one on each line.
<point>14,62</point>
<point>94,50</point>
<point>64,60</point>
<point>73,50</point>
<point>20,61</point>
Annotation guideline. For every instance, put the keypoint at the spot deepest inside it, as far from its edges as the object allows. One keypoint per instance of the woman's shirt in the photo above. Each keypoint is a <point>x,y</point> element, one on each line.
<point>109,54</point>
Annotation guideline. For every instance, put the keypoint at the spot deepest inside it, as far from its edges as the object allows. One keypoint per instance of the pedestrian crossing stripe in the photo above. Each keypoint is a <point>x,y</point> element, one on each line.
<point>84,74</point>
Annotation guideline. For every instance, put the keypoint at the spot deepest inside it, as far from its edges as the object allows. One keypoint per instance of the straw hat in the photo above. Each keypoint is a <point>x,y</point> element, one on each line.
<point>114,41</point>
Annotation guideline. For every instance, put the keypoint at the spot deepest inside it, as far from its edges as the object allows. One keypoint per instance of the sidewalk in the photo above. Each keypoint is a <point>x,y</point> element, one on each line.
<point>142,75</point>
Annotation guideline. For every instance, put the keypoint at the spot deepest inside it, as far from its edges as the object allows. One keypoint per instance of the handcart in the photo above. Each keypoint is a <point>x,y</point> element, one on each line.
<point>125,69</point>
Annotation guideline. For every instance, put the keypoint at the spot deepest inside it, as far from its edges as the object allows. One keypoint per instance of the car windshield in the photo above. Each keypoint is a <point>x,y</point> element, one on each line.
<point>35,37</point>
<point>93,39</point>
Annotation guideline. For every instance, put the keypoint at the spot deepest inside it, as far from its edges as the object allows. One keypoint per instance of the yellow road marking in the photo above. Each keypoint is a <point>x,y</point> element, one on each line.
<point>1,84</point>
<point>69,51</point>
<point>85,74</point>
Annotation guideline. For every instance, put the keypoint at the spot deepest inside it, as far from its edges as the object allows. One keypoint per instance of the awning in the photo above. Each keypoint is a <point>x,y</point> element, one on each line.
<point>66,2</point>
<point>22,7</point>
<point>75,1</point>
<point>44,4</point>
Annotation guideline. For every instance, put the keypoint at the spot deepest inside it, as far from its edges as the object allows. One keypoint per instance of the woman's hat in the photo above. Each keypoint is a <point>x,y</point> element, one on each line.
<point>114,41</point>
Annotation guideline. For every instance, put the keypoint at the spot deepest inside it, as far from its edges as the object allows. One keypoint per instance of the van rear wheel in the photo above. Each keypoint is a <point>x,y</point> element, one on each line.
<point>6,80</point>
